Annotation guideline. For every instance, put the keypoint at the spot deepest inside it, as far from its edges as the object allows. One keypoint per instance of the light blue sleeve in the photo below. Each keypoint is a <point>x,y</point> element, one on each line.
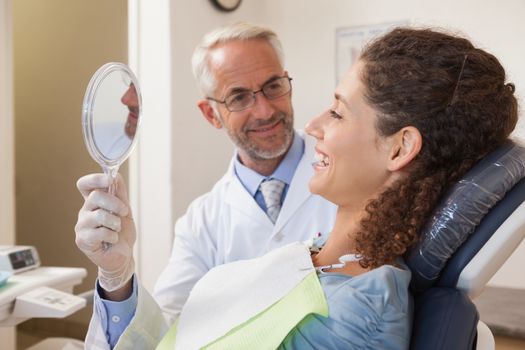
<point>115,316</point>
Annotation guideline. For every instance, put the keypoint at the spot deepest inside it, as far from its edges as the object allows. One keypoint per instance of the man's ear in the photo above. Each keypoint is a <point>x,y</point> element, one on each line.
<point>286,74</point>
<point>406,145</point>
<point>208,113</point>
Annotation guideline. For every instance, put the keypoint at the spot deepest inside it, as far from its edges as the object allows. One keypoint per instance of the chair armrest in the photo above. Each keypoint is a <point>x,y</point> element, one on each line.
<point>485,339</point>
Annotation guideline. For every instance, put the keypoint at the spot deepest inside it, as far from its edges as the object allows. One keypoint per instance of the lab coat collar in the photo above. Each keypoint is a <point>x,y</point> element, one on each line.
<point>239,198</point>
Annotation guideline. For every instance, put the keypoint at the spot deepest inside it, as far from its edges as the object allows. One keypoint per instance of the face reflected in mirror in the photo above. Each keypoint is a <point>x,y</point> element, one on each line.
<point>131,101</point>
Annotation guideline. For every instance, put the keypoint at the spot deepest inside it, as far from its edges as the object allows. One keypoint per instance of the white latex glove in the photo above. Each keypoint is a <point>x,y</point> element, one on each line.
<point>106,218</point>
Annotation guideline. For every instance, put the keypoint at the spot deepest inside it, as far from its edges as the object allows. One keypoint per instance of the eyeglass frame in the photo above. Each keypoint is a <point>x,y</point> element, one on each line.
<point>253,92</point>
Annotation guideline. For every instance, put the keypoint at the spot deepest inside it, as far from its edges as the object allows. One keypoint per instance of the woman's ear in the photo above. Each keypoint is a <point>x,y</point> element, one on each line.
<point>406,145</point>
<point>209,113</point>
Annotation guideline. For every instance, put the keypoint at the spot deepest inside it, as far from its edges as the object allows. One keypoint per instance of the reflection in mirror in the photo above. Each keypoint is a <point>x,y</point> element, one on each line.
<point>111,117</point>
<point>115,125</point>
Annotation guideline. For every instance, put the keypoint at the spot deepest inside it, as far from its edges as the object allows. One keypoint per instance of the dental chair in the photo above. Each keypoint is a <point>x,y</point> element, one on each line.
<point>473,231</point>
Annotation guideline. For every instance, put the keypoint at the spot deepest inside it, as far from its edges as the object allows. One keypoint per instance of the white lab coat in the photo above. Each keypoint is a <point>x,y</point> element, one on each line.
<point>144,332</point>
<point>226,225</point>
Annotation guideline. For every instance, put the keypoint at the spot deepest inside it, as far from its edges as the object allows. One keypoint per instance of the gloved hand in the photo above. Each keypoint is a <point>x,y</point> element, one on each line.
<point>106,218</point>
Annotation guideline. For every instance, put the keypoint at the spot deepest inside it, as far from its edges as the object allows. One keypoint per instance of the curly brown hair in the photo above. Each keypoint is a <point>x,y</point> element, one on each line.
<point>455,95</point>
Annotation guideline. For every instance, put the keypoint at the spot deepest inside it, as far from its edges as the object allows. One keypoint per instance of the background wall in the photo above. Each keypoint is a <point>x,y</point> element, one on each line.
<point>7,164</point>
<point>307,29</point>
<point>7,202</point>
<point>58,45</point>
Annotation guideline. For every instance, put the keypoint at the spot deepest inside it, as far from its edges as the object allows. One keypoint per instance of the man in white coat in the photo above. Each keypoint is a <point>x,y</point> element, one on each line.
<point>261,203</point>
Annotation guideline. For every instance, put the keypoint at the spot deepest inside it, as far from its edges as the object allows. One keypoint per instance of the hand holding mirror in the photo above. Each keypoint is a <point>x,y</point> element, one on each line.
<point>111,118</point>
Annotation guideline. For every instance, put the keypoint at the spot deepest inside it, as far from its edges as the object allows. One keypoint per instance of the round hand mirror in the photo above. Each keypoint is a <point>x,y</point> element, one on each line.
<point>111,117</point>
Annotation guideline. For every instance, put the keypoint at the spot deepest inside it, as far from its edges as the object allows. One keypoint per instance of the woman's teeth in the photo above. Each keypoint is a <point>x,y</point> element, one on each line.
<point>321,160</point>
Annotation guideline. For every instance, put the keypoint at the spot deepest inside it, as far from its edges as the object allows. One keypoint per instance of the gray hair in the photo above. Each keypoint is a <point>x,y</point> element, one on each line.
<point>236,31</point>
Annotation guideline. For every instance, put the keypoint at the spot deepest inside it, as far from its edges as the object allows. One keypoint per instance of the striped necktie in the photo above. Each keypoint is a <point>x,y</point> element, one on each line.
<point>272,191</point>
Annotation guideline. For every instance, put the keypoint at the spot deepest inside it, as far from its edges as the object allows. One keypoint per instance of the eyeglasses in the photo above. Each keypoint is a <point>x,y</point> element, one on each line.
<point>245,99</point>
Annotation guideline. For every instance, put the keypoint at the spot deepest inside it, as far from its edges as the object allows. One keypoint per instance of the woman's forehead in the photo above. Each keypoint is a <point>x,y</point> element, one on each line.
<point>350,88</point>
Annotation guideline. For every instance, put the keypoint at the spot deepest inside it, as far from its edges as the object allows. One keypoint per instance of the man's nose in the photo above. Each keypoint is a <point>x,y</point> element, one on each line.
<point>125,99</point>
<point>262,107</point>
<point>130,97</point>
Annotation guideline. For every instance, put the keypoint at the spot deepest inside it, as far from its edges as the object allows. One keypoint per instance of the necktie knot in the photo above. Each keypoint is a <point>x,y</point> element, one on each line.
<point>272,191</point>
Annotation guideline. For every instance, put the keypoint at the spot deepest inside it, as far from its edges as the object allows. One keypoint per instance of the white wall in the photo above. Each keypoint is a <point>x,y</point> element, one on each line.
<point>307,29</point>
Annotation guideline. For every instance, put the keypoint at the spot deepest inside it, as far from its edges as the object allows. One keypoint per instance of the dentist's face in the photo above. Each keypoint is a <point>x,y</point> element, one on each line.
<point>351,156</point>
<point>264,130</point>
<point>130,100</point>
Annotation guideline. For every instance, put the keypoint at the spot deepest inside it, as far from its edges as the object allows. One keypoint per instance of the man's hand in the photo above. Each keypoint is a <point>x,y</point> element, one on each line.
<point>106,218</point>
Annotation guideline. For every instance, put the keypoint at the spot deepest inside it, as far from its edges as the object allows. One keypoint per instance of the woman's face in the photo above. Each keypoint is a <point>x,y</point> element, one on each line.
<point>351,157</point>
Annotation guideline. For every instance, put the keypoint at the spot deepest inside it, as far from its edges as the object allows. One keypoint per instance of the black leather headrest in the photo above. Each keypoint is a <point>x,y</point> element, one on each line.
<point>461,210</point>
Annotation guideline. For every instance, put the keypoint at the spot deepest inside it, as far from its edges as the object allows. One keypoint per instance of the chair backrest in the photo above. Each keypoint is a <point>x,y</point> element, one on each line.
<point>444,318</point>
<point>477,225</point>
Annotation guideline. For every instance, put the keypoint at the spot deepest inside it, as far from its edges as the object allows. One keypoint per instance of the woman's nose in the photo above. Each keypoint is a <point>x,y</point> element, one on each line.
<point>314,127</point>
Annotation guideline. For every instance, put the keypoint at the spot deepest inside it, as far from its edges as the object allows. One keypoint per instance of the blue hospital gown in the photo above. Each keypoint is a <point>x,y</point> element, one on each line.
<point>369,311</point>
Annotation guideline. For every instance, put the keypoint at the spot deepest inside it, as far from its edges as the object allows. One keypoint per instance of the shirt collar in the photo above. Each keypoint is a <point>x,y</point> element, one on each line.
<point>284,172</point>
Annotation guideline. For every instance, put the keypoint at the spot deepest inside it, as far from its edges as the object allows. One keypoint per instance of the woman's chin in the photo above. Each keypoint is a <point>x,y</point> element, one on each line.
<point>316,187</point>
<point>326,190</point>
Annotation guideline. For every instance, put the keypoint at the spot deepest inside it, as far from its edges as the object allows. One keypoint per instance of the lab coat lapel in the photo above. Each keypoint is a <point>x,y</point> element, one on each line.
<point>298,191</point>
<point>238,198</point>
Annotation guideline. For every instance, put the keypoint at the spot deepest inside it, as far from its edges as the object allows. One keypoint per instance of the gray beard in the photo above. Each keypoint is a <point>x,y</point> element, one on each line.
<point>253,151</point>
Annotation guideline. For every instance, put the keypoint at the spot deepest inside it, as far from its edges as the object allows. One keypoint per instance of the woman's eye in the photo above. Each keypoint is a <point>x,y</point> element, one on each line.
<point>334,114</point>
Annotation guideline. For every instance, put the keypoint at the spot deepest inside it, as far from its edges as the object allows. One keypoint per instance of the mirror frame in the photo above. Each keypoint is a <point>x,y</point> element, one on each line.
<point>87,114</point>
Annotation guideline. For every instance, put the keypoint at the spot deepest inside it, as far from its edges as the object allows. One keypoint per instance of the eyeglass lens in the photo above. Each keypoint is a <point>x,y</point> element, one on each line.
<point>271,90</point>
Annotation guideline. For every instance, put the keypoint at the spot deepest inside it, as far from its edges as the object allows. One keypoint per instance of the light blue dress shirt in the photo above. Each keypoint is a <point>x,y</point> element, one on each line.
<point>117,315</point>
<point>284,172</point>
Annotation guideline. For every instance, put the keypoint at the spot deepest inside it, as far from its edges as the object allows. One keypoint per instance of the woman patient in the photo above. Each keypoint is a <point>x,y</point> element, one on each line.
<point>415,112</point>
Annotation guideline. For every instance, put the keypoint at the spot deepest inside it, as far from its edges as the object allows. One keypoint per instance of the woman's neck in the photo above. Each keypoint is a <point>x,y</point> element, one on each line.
<point>342,238</point>
<point>340,242</point>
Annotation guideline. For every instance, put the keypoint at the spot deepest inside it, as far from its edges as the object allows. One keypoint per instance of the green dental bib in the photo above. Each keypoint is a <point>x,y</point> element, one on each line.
<point>268,329</point>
